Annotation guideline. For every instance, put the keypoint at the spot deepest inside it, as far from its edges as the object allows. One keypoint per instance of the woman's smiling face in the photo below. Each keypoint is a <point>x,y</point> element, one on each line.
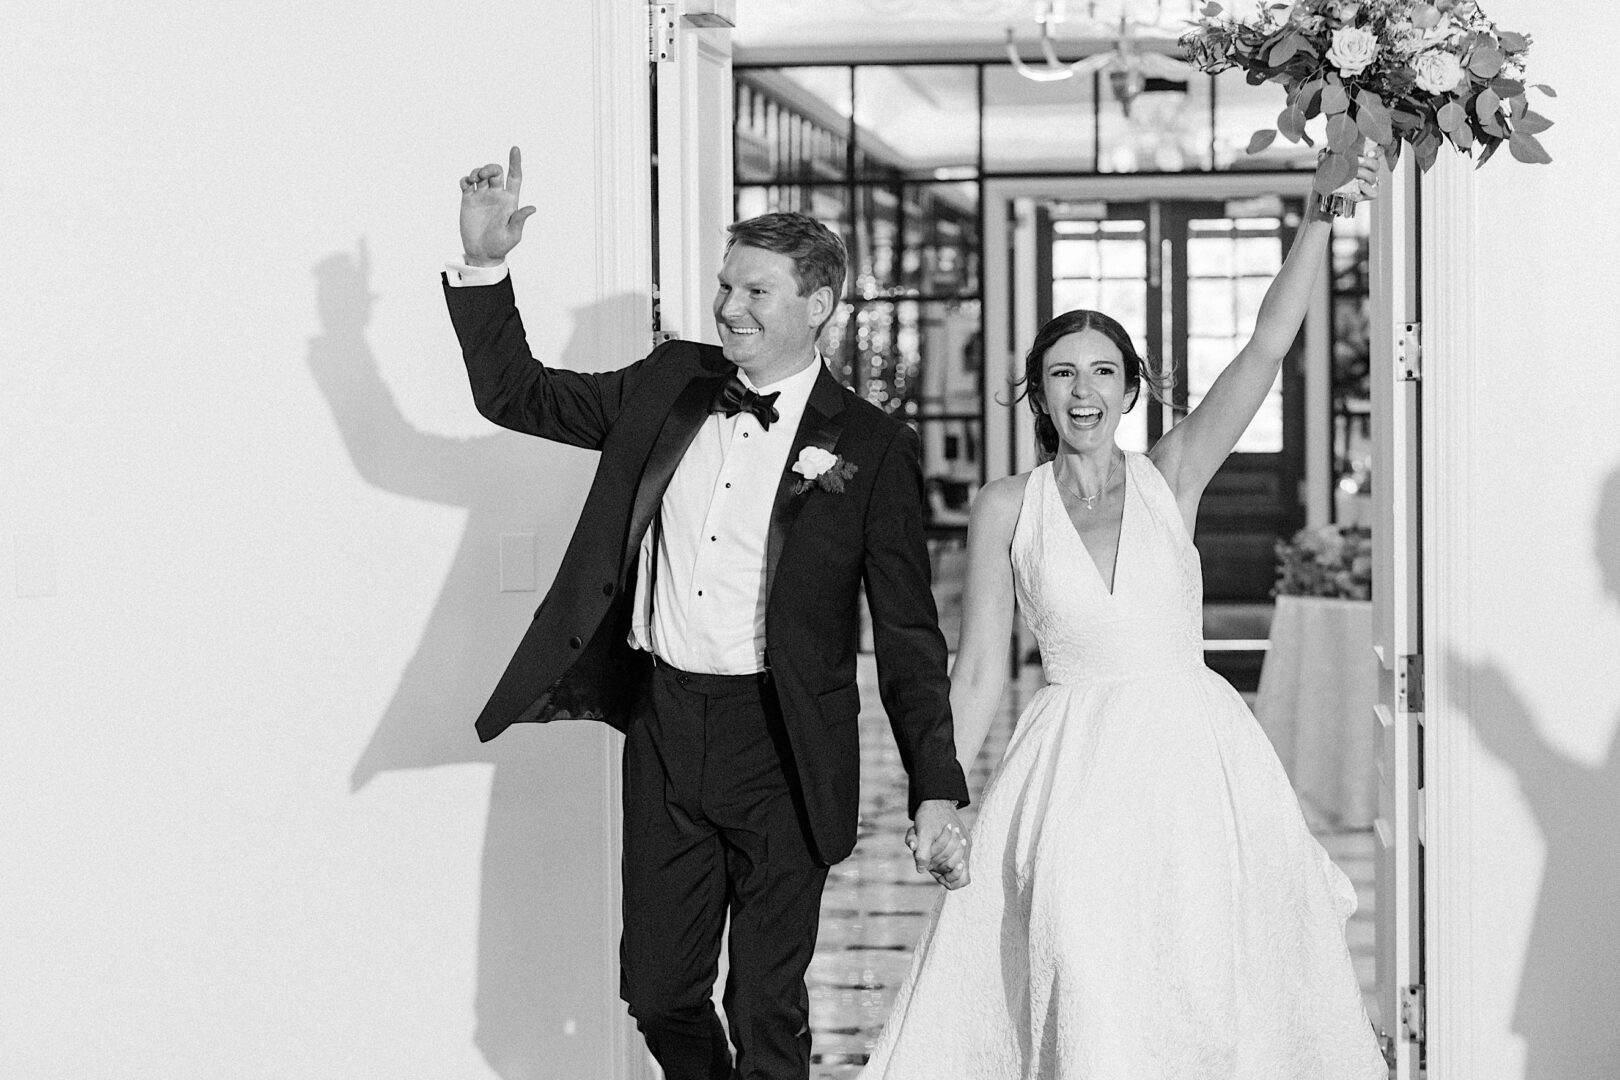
<point>1083,389</point>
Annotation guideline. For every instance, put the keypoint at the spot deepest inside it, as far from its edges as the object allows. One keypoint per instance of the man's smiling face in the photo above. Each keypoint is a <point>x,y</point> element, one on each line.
<point>766,327</point>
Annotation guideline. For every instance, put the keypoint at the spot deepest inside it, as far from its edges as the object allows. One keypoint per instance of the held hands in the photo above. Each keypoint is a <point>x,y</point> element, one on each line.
<point>491,220</point>
<point>939,843</point>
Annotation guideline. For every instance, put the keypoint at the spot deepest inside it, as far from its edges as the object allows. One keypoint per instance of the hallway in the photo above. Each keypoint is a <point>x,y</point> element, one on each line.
<point>876,904</point>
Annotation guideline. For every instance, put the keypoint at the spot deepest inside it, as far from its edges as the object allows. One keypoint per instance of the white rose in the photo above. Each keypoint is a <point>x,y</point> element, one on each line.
<point>1353,49</point>
<point>813,461</point>
<point>1437,71</point>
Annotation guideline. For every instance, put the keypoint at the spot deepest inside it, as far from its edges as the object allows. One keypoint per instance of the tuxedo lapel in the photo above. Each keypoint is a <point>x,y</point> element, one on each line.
<point>680,427</point>
<point>820,426</point>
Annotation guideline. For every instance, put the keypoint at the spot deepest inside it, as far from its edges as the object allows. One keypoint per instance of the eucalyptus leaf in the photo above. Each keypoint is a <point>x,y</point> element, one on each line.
<point>1427,149</point>
<point>1518,107</point>
<point>1373,119</point>
<point>1528,149</point>
<point>1491,146</point>
<point>1462,137</point>
<point>1532,123</point>
<point>1334,171</point>
<point>1507,88</point>
<point>1335,100</point>
<point>1486,104</point>
<point>1487,62</point>
<point>1291,123</point>
<point>1545,89</point>
<point>1513,43</point>
<point>1262,139</point>
<point>1285,50</point>
<point>1342,134</point>
<point>1451,117</point>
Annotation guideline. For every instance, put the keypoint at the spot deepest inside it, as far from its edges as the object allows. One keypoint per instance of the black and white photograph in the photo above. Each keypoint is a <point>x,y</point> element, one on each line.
<point>766,540</point>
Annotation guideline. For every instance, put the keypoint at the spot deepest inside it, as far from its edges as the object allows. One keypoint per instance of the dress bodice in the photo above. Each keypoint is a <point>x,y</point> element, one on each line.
<point>1153,619</point>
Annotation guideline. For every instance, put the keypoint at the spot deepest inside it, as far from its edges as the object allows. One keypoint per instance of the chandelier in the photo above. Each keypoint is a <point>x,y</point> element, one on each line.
<point>1129,61</point>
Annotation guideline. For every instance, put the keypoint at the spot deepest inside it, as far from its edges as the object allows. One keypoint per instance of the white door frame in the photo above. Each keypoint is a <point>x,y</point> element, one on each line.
<point>1451,308</point>
<point>624,268</point>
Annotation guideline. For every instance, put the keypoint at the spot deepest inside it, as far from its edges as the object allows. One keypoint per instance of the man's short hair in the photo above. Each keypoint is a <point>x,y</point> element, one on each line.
<point>817,252</point>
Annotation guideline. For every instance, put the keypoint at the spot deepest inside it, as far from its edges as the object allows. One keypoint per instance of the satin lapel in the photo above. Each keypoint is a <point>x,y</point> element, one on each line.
<point>681,426</point>
<point>820,426</point>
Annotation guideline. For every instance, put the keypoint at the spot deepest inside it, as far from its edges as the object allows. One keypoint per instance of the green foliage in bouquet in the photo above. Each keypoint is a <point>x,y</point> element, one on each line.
<point>1421,72</point>
<point>1327,561</point>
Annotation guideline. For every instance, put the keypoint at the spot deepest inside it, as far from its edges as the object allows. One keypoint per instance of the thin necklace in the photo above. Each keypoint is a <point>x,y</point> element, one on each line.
<point>1089,502</point>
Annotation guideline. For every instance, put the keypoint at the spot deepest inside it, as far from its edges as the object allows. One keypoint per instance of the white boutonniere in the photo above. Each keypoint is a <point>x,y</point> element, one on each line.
<point>823,469</point>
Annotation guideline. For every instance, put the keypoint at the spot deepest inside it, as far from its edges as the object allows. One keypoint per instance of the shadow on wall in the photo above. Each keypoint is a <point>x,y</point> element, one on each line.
<point>1569,994</point>
<point>534,1008</point>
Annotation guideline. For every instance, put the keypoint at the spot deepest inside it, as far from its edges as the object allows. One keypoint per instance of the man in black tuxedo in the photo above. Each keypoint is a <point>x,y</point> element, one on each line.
<point>707,606</point>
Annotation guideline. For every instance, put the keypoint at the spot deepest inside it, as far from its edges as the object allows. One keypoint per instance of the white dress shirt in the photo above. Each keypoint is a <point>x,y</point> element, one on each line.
<point>708,602</point>
<point>706,610</point>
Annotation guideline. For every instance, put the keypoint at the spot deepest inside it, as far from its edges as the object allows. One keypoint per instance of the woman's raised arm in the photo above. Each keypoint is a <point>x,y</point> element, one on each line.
<point>1190,453</point>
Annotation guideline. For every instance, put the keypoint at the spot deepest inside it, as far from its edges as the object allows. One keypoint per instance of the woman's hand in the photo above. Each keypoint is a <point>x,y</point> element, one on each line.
<point>1363,187</point>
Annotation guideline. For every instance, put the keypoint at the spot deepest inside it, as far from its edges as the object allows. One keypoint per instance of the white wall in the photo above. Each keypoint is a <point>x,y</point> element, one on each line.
<point>1527,502</point>
<point>245,827</point>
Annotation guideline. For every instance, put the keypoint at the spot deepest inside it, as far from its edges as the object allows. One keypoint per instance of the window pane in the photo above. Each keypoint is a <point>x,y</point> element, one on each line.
<point>1207,357</point>
<point>910,357</point>
<point>1210,307</point>
<point>1210,257</point>
<point>1037,127</point>
<point>792,123</point>
<point>1068,295</point>
<point>1124,258</point>
<point>1074,258</point>
<point>1126,302</point>
<point>1258,254</point>
<point>917,121</point>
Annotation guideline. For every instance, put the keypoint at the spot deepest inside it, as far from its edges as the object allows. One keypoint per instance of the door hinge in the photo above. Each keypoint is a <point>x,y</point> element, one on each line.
<point>1414,1016</point>
<point>1409,352</point>
<point>1409,685</point>
<point>661,27</point>
<point>662,336</point>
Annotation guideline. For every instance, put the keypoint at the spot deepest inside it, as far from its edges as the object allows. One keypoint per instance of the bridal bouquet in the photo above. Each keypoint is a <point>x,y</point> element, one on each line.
<point>1326,561</point>
<point>1422,72</point>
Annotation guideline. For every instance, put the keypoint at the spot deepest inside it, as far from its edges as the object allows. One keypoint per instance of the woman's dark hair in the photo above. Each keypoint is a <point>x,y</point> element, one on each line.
<point>1138,369</point>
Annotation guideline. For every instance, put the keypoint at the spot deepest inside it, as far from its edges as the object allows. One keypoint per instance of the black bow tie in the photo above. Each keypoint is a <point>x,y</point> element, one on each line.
<point>734,398</point>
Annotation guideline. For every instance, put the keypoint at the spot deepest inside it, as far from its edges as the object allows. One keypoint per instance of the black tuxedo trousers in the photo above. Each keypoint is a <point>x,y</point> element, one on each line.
<point>713,825</point>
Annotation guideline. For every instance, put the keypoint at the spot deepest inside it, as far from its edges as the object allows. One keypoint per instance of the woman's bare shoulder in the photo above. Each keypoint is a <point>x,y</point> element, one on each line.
<point>997,505</point>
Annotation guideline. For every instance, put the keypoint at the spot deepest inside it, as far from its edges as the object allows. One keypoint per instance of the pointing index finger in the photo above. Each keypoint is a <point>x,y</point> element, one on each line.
<point>514,172</point>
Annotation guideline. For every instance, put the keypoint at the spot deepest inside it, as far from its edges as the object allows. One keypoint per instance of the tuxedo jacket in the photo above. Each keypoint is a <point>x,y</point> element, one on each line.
<point>575,662</point>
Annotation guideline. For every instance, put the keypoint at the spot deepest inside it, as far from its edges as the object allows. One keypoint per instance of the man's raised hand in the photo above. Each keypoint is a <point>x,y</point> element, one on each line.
<point>491,220</point>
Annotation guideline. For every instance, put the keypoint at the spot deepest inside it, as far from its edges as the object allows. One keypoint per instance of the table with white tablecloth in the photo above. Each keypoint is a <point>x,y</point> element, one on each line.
<point>1317,690</point>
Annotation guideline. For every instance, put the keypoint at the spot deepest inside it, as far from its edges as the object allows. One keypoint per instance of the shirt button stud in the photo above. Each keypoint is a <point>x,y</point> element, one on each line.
<point>575,643</point>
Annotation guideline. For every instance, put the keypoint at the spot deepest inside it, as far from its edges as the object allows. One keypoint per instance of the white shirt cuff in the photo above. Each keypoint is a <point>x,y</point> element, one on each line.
<point>461,276</point>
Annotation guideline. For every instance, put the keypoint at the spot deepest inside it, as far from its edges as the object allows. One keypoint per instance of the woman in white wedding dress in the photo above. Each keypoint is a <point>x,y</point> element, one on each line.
<point>1146,901</point>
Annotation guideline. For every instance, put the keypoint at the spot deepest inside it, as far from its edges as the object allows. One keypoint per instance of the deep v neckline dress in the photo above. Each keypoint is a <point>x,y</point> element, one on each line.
<point>1147,901</point>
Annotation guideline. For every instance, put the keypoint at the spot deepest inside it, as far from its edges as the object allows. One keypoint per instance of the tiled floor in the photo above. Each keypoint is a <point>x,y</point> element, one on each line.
<point>875,904</point>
